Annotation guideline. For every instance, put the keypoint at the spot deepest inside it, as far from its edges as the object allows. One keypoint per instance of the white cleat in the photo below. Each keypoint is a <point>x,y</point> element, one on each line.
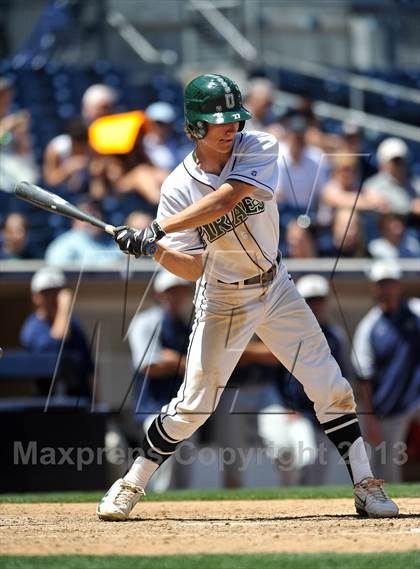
<point>118,502</point>
<point>372,501</point>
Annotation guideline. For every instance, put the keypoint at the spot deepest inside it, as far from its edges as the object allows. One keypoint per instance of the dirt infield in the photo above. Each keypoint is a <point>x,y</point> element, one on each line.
<point>208,527</point>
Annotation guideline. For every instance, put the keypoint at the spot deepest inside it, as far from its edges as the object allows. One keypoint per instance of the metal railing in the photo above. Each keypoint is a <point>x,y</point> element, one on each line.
<point>249,53</point>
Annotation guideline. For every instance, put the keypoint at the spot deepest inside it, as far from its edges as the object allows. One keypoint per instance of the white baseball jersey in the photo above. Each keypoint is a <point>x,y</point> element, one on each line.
<point>244,242</point>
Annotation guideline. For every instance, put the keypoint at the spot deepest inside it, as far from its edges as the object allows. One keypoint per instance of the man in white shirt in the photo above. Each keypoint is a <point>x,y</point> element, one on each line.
<point>218,224</point>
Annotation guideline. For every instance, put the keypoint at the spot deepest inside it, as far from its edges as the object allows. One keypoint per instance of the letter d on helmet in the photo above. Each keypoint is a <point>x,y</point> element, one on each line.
<point>213,99</point>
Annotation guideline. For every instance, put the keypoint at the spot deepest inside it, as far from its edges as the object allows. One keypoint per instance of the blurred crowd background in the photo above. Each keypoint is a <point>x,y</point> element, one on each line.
<point>91,108</point>
<point>350,186</point>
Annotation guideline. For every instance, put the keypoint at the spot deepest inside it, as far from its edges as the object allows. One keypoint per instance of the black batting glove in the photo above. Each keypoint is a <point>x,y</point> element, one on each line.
<point>139,242</point>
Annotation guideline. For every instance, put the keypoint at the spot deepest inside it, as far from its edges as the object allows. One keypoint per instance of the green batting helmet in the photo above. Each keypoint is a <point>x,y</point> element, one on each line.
<point>213,99</point>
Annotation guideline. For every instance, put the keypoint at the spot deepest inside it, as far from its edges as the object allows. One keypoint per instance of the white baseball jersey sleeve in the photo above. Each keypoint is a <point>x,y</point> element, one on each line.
<point>244,242</point>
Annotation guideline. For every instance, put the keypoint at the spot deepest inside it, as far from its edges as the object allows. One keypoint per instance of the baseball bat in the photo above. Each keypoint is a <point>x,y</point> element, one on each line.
<point>51,202</point>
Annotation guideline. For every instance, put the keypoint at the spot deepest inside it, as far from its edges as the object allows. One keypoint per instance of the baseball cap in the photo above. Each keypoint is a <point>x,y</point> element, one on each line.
<point>383,270</point>
<point>297,124</point>
<point>391,148</point>
<point>312,286</point>
<point>160,112</point>
<point>47,278</point>
<point>350,129</point>
<point>165,280</point>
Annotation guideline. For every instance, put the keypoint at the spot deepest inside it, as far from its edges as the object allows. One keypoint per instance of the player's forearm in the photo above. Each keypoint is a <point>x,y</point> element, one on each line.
<point>367,397</point>
<point>59,325</point>
<point>207,209</point>
<point>189,267</point>
<point>172,362</point>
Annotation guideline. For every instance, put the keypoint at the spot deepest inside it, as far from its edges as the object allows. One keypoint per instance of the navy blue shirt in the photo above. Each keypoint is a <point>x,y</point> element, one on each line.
<point>387,352</point>
<point>35,336</point>
<point>152,331</point>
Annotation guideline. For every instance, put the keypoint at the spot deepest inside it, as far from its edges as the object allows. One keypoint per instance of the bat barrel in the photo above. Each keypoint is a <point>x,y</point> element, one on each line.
<point>56,204</point>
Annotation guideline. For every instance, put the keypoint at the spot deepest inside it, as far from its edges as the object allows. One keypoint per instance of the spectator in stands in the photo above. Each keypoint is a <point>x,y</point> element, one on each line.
<point>135,172</point>
<point>17,159</point>
<point>160,143</point>
<point>395,241</point>
<point>66,159</point>
<point>139,220</point>
<point>343,188</point>
<point>392,181</point>
<point>315,137</point>
<point>14,239</point>
<point>98,100</point>
<point>121,164</point>
<point>83,243</point>
<point>347,235</point>
<point>351,143</point>
<point>386,359</point>
<point>315,289</point>
<point>300,243</point>
<point>259,100</point>
<point>303,173</point>
<point>158,340</point>
<point>53,323</point>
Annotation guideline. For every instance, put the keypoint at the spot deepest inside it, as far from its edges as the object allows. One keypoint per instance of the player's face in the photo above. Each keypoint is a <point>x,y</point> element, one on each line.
<point>47,301</point>
<point>388,292</point>
<point>220,137</point>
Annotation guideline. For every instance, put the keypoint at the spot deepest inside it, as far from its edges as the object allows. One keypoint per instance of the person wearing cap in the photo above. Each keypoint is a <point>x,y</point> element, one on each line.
<point>386,359</point>
<point>83,243</point>
<point>392,181</point>
<point>66,155</point>
<point>303,173</point>
<point>160,142</point>
<point>158,339</point>
<point>315,289</point>
<point>53,323</point>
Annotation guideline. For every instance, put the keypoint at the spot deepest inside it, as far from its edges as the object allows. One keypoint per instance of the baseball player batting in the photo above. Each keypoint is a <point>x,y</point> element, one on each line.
<point>218,224</point>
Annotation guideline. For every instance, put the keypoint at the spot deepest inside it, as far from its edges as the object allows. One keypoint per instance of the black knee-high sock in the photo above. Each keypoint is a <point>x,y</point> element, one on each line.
<point>342,432</point>
<point>157,445</point>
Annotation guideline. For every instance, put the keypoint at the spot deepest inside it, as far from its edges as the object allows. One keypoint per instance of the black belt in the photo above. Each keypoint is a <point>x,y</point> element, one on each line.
<point>262,279</point>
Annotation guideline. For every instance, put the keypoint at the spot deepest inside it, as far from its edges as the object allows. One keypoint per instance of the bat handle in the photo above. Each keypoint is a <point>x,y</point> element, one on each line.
<point>110,229</point>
